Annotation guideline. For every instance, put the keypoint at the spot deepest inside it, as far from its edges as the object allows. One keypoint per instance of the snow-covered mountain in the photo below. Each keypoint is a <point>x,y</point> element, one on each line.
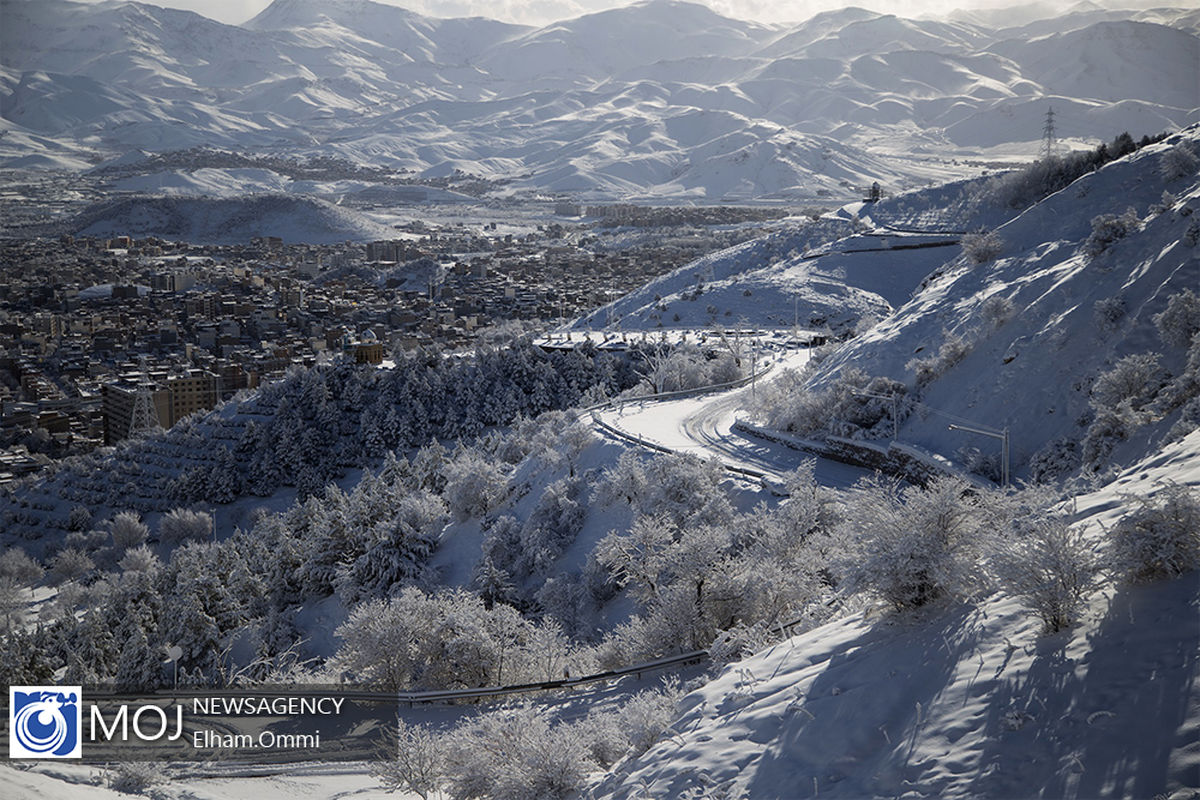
<point>967,700</point>
<point>1075,304</point>
<point>660,98</point>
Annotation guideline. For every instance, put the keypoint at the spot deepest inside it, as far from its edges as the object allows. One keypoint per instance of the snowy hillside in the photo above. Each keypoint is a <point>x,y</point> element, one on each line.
<point>225,221</point>
<point>1018,338</point>
<point>661,98</point>
<point>1057,308</point>
<point>867,637</point>
<point>815,275</point>
<point>964,701</point>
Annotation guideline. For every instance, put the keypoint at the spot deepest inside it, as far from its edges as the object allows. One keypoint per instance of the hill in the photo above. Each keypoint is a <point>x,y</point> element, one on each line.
<point>227,220</point>
<point>967,701</point>
<point>1057,308</point>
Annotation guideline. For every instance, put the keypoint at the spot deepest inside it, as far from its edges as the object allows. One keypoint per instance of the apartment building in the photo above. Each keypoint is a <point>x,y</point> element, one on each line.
<point>139,400</point>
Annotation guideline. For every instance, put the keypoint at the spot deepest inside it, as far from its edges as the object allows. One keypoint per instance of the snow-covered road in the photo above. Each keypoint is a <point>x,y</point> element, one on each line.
<point>703,426</point>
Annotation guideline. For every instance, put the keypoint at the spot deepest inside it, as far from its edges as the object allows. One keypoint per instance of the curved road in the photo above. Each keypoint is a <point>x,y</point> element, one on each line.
<point>703,426</point>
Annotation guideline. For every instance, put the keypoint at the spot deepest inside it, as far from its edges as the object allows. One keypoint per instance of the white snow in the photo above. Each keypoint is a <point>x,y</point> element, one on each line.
<point>228,220</point>
<point>1033,373</point>
<point>966,701</point>
<point>703,426</point>
<point>657,99</point>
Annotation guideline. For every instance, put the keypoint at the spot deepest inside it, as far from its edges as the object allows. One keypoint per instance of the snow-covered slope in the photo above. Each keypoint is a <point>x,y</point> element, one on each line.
<point>812,274</point>
<point>660,98</point>
<point>1039,323</point>
<point>1032,372</point>
<point>962,702</point>
<point>858,263</point>
<point>227,221</point>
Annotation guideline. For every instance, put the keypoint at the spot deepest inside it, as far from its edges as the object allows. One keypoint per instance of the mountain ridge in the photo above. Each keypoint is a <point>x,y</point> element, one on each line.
<point>563,107</point>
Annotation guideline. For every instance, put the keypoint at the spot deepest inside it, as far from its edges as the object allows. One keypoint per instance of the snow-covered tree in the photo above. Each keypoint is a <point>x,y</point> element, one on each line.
<point>473,484</point>
<point>927,369</point>
<point>415,639</point>
<point>632,728</point>
<point>1110,427</point>
<point>1179,162</point>
<point>140,559</point>
<point>12,604</point>
<point>417,763</point>
<point>184,525</point>
<point>70,564</point>
<point>982,247</point>
<point>138,667</point>
<point>1134,379</point>
<point>1179,323</point>
<point>1108,312</point>
<point>1160,538</point>
<point>18,567</point>
<point>1107,229</point>
<point>996,310</point>
<point>547,651</point>
<point>552,526</point>
<point>127,530</point>
<point>625,481</point>
<point>79,518</point>
<point>1056,460</point>
<point>912,546</point>
<point>638,559</point>
<point>1046,563</point>
<point>517,753</point>
<point>395,549</point>
<point>135,777</point>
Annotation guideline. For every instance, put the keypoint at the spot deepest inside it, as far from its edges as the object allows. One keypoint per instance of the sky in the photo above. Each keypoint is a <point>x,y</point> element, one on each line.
<point>540,12</point>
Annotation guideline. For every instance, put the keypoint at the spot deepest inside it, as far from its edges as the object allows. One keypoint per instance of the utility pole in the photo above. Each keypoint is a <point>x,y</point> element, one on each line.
<point>1048,142</point>
<point>754,369</point>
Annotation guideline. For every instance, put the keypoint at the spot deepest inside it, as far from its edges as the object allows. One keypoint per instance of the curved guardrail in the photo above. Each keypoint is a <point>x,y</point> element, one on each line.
<point>678,395</point>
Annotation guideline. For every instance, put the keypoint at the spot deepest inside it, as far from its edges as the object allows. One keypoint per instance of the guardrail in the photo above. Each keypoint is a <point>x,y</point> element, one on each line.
<point>684,393</point>
<point>433,696</point>
<point>904,461</point>
<point>679,394</point>
<point>451,695</point>
<point>643,442</point>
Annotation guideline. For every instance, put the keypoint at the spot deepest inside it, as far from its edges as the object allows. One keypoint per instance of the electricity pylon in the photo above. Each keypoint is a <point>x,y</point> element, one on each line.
<point>1048,143</point>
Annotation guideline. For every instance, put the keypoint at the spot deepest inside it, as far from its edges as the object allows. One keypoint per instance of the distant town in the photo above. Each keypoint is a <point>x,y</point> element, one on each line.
<point>101,339</point>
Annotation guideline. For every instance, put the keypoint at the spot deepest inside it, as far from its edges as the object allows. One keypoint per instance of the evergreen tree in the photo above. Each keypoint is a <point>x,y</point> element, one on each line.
<point>138,668</point>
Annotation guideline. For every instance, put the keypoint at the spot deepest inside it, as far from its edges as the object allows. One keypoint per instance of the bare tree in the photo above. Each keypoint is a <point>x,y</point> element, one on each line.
<point>417,765</point>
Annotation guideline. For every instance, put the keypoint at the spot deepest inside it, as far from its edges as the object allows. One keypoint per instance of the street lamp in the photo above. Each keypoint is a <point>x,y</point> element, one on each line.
<point>1002,435</point>
<point>174,653</point>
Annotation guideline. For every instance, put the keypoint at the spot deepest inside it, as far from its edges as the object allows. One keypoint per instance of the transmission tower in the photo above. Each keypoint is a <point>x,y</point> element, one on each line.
<point>144,416</point>
<point>1048,143</point>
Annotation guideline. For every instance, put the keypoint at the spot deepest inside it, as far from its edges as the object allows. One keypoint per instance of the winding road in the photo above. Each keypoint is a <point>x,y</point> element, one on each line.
<point>702,425</point>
